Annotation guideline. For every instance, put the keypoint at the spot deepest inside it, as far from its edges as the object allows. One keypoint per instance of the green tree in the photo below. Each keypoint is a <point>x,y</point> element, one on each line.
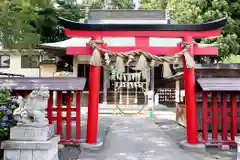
<point>16,32</point>
<point>47,21</point>
<point>198,11</point>
<point>110,4</point>
<point>153,4</point>
<point>121,4</point>
<point>25,24</point>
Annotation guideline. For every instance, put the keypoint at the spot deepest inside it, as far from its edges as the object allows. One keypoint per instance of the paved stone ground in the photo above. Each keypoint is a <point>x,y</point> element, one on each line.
<point>136,138</point>
<point>72,152</point>
<point>139,138</point>
<point>177,133</point>
<point>166,122</point>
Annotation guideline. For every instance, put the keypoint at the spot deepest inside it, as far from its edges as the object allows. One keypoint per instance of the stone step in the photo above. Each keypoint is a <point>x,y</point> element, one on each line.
<point>104,112</point>
<point>131,107</point>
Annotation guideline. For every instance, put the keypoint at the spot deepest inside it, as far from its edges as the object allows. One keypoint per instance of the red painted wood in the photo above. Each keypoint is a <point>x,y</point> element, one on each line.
<point>78,115</point>
<point>65,109</point>
<point>26,93</point>
<point>59,113</point>
<point>63,119</point>
<point>193,34</point>
<point>50,107</point>
<point>214,116</point>
<point>68,121</point>
<point>204,116</point>
<point>142,42</point>
<point>190,99</point>
<point>234,116</point>
<point>224,117</point>
<point>153,50</point>
<point>93,100</point>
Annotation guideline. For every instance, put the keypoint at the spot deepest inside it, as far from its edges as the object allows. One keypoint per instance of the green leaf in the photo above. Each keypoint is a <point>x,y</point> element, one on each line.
<point>192,11</point>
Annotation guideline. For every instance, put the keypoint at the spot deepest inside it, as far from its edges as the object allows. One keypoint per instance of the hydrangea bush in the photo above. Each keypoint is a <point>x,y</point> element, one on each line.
<point>7,105</point>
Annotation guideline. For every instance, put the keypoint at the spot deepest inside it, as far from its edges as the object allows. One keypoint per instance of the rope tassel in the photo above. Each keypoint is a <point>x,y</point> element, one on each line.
<point>142,65</point>
<point>120,66</point>
<point>189,60</point>
<point>96,59</point>
<point>166,70</point>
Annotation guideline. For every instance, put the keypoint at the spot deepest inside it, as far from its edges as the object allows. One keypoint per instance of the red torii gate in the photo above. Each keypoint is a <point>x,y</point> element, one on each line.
<point>142,33</point>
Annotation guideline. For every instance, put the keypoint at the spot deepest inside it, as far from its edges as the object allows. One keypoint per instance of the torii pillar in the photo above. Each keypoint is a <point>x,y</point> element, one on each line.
<point>190,97</point>
<point>93,100</point>
<point>142,34</point>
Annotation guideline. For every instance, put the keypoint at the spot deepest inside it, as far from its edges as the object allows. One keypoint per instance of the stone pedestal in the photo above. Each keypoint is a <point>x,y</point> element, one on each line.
<point>237,140</point>
<point>31,143</point>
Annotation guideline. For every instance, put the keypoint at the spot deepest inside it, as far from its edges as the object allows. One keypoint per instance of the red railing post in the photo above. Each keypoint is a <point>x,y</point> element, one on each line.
<point>50,107</point>
<point>234,116</point>
<point>78,115</point>
<point>69,116</point>
<point>205,116</point>
<point>26,93</point>
<point>224,117</point>
<point>17,93</point>
<point>214,116</point>
<point>59,113</point>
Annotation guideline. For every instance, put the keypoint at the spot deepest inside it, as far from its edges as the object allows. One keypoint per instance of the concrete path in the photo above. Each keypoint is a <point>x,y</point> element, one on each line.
<point>136,138</point>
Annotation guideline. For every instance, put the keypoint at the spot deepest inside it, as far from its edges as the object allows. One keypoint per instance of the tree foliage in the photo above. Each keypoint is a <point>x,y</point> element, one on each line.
<point>15,28</point>
<point>122,4</point>
<point>109,4</point>
<point>153,4</point>
<point>25,24</point>
<point>198,11</point>
<point>47,21</point>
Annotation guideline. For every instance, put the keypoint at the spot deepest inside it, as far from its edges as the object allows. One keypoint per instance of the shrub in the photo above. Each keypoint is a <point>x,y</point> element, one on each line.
<point>7,104</point>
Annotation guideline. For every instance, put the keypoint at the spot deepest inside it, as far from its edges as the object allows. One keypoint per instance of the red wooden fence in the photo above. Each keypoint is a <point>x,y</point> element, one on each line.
<point>219,117</point>
<point>71,118</point>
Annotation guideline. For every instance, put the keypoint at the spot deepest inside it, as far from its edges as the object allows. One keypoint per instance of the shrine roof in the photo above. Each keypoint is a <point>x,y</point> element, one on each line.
<point>219,84</point>
<point>216,24</point>
<point>96,14</point>
<point>74,42</point>
<point>52,83</point>
<point>127,16</point>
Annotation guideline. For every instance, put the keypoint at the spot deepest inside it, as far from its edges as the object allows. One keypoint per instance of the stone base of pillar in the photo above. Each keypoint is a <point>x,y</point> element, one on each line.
<point>31,143</point>
<point>93,147</point>
<point>192,147</point>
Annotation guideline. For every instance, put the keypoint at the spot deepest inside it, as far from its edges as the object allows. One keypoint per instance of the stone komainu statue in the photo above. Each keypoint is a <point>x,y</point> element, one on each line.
<point>31,110</point>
